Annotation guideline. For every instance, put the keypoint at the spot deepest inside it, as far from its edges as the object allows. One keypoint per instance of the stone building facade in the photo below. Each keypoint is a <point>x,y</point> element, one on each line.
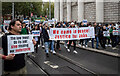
<point>92,10</point>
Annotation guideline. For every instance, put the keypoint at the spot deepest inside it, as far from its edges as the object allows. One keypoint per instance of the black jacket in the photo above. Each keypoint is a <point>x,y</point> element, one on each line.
<point>45,35</point>
<point>12,65</point>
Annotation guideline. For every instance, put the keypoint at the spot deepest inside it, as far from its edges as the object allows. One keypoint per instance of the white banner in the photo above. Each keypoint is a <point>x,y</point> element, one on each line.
<point>71,33</point>
<point>106,33</point>
<point>37,22</point>
<point>27,21</point>
<point>18,44</point>
<point>7,22</point>
<point>119,30</point>
<point>36,33</point>
<point>51,22</point>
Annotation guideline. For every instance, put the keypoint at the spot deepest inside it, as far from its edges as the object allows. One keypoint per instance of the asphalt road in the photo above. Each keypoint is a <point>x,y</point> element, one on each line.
<point>96,62</point>
<point>55,65</point>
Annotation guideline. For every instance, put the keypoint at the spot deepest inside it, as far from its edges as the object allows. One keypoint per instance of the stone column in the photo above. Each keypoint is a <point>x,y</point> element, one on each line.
<point>99,11</point>
<point>68,10</point>
<point>57,10</point>
<point>80,10</point>
<point>61,10</point>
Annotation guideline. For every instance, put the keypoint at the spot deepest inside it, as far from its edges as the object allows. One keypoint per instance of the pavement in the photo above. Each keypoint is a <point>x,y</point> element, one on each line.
<point>108,51</point>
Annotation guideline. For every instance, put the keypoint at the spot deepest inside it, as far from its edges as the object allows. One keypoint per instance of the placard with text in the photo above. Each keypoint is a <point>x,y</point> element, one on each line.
<point>71,33</point>
<point>18,44</point>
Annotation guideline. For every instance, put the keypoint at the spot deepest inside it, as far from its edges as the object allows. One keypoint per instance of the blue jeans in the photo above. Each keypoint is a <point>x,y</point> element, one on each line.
<point>52,45</point>
<point>47,47</point>
<point>65,42</point>
<point>86,41</point>
<point>97,42</point>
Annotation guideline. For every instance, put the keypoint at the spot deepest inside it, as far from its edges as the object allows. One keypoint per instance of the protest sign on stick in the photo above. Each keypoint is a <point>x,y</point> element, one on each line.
<point>36,33</point>
<point>115,32</point>
<point>106,33</point>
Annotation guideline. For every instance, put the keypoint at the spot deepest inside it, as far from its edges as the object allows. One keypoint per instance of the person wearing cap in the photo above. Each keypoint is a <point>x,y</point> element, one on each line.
<point>74,41</point>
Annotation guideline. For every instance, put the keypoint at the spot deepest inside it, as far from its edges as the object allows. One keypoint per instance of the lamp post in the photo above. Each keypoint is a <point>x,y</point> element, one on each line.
<point>13,10</point>
<point>49,9</point>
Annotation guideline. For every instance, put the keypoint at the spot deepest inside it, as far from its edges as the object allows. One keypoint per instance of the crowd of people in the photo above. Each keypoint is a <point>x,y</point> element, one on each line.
<point>18,27</point>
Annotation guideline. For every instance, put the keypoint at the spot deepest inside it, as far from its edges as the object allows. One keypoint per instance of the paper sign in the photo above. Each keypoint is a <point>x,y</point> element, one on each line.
<point>18,44</point>
<point>106,33</point>
<point>84,22</point>
<point>115,32</point>
<point>36,33</point>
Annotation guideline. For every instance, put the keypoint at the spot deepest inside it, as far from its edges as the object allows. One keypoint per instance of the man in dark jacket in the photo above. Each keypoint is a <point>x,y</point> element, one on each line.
<point>58,41</point>
<point>97,30</point>
<point>46,39</point>
<point>41,35</point>
<point>13,64</point>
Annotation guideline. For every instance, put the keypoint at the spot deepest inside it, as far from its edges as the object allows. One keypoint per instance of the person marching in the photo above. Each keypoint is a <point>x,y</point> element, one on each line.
<point>74,41</point>
<point>36,38</point>
<point>46,39</point>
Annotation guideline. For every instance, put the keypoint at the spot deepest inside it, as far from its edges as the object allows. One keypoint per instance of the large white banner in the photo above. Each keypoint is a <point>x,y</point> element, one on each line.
<point>18,44</point>
<point>71,33</point>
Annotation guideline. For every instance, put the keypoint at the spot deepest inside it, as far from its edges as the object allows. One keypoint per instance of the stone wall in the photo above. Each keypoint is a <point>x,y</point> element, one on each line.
<point>65,14</point>
<point>119,11</point>
<point>111,12</point>
<point>90,11</point>
<point>74,12</point>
